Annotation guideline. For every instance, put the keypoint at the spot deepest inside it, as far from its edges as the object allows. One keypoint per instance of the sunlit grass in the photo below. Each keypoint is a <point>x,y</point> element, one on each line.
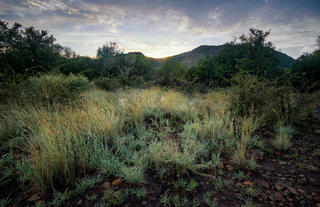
<point>123,134</point>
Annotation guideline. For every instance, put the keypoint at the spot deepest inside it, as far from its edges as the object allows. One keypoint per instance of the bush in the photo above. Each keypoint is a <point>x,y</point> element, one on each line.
<point>107,84</point>
<point>250,95</point>
<point>53,88</point>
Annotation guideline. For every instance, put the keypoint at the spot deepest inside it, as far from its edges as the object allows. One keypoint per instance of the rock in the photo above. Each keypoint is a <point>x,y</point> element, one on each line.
<point>117,194</point>
<point>302,191</point>
<point>278,187</point>
<point>79,202</point>
<point>287,156</point>
<point>106,185</point>
<point>34,197</point>
<point>116,182</point>
<point>238,185</point>
<point>144,203</point>
<point>249,183</point>
<point>229,167</point>
<point>263,183</point>
<point>263,196</point>
<point>278,196</point>
<point>292,190</point>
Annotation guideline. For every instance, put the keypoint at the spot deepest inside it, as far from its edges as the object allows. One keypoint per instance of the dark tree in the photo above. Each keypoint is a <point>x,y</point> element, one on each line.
<point>27,49</point>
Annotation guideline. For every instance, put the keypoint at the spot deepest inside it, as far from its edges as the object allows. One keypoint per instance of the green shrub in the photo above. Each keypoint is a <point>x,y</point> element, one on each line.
<point>107,84</point>
<point>52,88</point>
<point>251,95</point>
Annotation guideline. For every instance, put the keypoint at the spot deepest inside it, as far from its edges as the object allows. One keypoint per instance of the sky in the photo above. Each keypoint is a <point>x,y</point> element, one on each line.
<point>161,28</point>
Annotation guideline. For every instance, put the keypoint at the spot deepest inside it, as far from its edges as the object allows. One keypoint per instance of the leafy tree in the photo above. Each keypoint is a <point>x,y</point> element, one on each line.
<point>171,72</point>
<point>27,49</point>
<point>110,49</point>
<point>109,56</point>
<point>260,57</point>
<point>206,72</point>
<point>306,70</point>
<point>136,65</point>
<point>68,52</point>
<point>87,66</point>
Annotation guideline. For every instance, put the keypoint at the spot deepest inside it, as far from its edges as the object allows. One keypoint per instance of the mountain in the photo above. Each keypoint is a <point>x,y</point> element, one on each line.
<point>192,57</point>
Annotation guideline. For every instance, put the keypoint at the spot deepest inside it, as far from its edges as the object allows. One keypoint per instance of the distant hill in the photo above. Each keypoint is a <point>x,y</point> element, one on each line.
<point>192,57</point>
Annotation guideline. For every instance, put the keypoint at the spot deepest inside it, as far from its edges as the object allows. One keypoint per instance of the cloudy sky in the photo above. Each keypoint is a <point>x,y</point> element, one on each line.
<point>161,28</point>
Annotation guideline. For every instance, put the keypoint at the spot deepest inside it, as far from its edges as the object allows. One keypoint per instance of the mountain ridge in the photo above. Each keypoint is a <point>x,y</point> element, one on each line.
<point>192,57</point>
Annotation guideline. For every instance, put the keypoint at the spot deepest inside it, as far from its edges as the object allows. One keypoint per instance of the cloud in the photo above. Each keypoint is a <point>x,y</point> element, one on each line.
<point>164,28</point>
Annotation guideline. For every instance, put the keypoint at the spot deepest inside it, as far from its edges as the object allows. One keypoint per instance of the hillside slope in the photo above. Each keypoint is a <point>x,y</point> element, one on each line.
<point>192,57</point>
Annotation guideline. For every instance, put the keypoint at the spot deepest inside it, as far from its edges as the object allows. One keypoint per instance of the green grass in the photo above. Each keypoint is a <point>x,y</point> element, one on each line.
<point>125,134</point>
<point>282,141</point>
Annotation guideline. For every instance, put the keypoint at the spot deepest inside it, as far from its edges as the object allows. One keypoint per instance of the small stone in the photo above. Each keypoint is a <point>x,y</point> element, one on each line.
<point>287,156</point>
<point>117,194</point>
<point>249,183</point>
<point>274,160</point>
<point>292,190</point>
<point>278,196</point>
<point>313,194</point>
<point>238,185</point>
<point>116,182</point>
<point>79,202</point>
<point>229,167</point>
<point>264,196</point>
<point>106,185</point>
<point>263,183</point>
<point>34,197</point>
<point>301,175</point>
<point>278,187</point>
<point>302,191</point>
<point>144,203</point>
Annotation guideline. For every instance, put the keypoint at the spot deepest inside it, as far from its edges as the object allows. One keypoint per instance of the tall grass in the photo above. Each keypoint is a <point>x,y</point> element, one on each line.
<point>283,138</point>
<point>123,134</point>
<point>61,142</point>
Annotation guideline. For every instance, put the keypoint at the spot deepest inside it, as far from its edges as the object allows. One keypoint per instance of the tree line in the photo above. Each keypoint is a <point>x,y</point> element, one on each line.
<point>28,51</point>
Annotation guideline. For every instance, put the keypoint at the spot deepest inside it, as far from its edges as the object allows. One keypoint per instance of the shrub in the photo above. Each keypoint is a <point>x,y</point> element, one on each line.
<point>53,88</point>
<point>249,94</point>
<point>107,84</point>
